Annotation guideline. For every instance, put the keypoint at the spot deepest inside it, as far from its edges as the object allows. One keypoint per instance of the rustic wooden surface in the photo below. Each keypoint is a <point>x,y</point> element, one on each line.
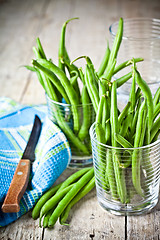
<point>20,23</point>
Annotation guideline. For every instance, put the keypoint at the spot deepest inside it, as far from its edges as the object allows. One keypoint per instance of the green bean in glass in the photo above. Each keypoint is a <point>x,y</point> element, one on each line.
<point>62,115</point>
<point>136,202</point>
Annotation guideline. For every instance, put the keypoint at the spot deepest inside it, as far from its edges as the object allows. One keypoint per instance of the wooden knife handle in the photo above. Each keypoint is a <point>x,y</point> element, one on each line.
<point>17,187</point>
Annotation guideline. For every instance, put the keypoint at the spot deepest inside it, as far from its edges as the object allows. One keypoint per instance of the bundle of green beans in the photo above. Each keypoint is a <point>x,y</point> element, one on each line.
<point>113,127</point>
<point>137,125</point>
<point>56,202</point>
<point>61,83</point>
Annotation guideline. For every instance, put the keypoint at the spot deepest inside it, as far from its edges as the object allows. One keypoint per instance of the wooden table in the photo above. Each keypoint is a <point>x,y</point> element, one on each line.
<point>20,23</point>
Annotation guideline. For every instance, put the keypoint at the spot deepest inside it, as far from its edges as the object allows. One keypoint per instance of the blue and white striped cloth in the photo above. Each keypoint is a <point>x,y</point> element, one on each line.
<point>52,153</point>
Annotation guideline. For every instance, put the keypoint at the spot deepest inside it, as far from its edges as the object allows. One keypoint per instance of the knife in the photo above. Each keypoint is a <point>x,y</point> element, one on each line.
<point>20,179</point>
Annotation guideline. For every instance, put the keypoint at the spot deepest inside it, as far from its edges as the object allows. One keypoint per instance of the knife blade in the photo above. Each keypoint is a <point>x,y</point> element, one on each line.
<point>20,179</point>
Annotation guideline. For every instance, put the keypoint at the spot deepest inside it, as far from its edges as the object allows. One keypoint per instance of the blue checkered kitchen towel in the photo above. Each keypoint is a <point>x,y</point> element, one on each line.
<point>52,153</point>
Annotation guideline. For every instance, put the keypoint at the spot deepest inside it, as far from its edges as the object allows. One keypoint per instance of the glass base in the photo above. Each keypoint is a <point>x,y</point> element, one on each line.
<point>128,209</point>
<point>81,162</point>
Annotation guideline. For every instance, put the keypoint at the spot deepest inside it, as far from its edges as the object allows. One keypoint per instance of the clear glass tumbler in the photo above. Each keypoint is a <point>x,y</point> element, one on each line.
<point>127,180</point>
<point>141,38</point>
<point>79,139</point>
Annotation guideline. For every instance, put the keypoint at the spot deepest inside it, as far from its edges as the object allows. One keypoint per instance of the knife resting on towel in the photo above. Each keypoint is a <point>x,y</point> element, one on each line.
<point>20,179</point>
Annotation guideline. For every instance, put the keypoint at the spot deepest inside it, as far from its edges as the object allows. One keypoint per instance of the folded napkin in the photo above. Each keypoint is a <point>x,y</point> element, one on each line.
<point>52,154</point>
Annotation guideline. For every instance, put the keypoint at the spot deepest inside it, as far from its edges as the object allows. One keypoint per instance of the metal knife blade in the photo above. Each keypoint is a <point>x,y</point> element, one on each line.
<point>21,176</point>
<point>33,139</point>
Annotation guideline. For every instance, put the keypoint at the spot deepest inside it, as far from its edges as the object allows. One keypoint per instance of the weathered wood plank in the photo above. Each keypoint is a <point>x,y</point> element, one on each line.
<point>54,15</point>
<point>19,23</point>
<point>144,227</point>
<point>24,228</point>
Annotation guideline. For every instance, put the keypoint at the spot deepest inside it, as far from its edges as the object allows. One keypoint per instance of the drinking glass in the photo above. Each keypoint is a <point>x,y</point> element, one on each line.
<point>127,179</point>
<point>141,38</point>
<point>62,115</point>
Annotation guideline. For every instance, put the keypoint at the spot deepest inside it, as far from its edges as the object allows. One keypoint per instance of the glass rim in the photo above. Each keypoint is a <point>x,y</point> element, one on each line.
<point>67,104</point>
<point>140,19</point>
<point>119,148</point>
